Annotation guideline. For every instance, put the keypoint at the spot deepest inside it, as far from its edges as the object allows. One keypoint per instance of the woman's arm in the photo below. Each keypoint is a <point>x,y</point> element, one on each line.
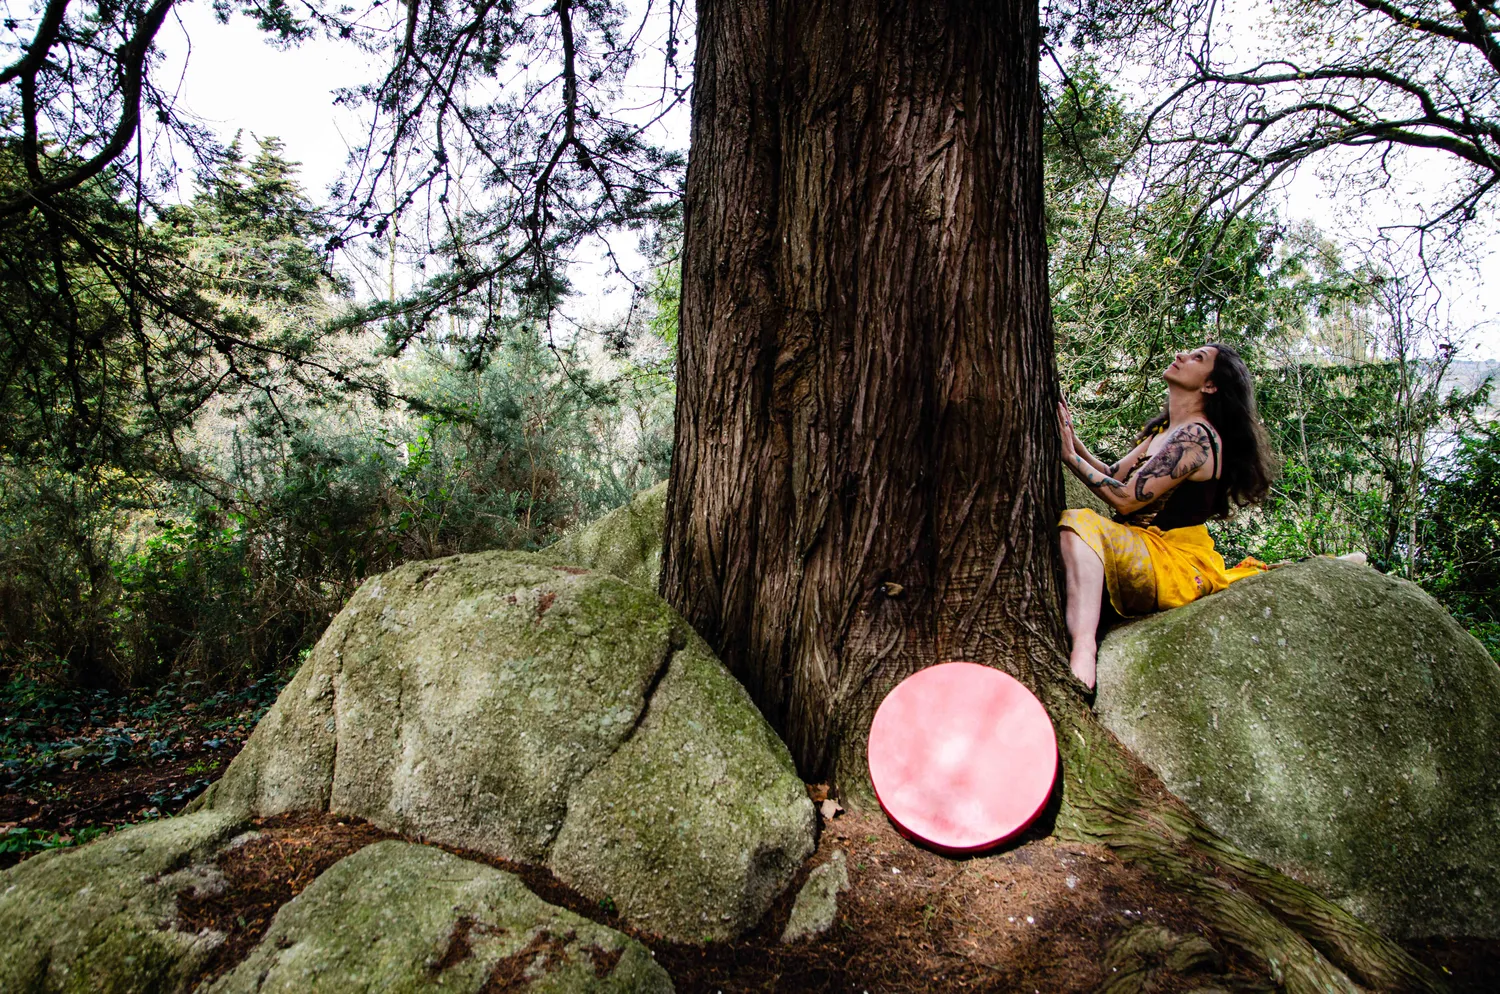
<point>1119,470</point>
<point>1185,452</point>
<point>1109,489</point>
<point>1122,469</point>
<point>1082,463</point>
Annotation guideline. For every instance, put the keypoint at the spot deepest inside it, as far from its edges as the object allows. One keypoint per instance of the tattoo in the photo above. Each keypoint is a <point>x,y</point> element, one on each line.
<point>1184,452</point>
<point>1092,477</point>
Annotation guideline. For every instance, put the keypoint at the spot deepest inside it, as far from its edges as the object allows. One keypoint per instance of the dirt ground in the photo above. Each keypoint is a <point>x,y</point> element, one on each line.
<point>1039,916</point>
<point>90,797</point>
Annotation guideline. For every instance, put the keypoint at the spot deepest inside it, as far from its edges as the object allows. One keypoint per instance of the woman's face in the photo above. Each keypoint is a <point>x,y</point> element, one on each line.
<point>1191,370</point>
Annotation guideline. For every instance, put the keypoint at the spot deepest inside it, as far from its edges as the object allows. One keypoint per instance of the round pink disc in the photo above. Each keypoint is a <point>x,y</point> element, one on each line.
<point>962,756</point>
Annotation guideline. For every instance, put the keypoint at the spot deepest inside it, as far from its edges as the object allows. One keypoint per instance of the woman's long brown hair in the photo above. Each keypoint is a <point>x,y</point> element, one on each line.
<point>1245,451</point>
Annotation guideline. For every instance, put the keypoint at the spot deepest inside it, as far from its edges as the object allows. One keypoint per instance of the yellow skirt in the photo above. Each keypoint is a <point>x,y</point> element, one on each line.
<point>1147,569</point>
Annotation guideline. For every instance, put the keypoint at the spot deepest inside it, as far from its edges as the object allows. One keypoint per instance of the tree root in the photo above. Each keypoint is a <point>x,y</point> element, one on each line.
<point>1305,942</point>
<point>1148,956</point>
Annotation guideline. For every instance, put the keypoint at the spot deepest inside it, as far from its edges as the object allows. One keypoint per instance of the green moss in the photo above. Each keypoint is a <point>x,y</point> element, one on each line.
<point>1334,722</point>
<point>100,918</point>
<point>625,543</point>
<point>466,699</point>
<point>459,923</point>
<point>696,824</point>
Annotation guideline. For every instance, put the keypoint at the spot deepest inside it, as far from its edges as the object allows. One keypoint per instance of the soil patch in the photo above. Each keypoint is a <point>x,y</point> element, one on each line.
<point>86,798</point>
<point>74,764</point>
<point>1040,917</point>
<point>263,870</point>
<point>1470,966</point>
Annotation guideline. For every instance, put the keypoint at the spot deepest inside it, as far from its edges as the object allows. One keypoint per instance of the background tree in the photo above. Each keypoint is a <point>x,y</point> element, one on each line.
<point>1367,89</point>
<point>103,315</point>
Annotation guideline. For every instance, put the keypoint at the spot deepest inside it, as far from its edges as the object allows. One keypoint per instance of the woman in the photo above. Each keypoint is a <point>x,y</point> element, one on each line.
<point>1206,450</point>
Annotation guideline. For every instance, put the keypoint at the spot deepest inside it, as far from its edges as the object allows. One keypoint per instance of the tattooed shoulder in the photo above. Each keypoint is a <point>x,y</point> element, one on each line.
<point>1185,451</point>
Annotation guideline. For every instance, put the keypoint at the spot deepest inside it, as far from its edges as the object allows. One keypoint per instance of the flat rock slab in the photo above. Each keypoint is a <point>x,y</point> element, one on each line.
<point>1334,722</point>
<point>398,918</point>
<point>102,917</point>
<point>545,714</point>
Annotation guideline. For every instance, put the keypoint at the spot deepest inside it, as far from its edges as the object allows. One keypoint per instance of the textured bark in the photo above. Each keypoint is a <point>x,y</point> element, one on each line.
<point>866,476</point>
<point>864,480</point>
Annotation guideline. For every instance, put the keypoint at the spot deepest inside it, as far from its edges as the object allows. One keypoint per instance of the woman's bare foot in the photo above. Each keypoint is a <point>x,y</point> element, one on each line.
<point>1083,662</point>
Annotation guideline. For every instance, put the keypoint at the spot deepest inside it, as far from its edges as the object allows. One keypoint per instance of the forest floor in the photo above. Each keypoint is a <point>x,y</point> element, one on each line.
<point>76,764</point>
<point>1039,916</point>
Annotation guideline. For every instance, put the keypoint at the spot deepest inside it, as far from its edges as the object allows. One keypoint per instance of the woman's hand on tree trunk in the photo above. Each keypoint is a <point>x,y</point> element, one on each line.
<point>1065,428</point>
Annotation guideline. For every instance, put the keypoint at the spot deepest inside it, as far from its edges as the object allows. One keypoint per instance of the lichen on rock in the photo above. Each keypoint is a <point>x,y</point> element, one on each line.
<point>399,918</point>
<point>693,826</point>
<point>102,918</point>
<point>625,543</point>
<point>492,701</point>
<point>1334,722</point>
<point>817,903</point>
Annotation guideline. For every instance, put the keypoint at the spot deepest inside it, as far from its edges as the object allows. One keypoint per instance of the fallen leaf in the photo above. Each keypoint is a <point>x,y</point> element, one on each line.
<point>818,792</point>
<point>830,808</point>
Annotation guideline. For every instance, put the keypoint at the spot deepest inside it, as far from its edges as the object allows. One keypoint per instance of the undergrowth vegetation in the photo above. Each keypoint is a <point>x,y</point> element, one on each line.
<point>214,547</point>
<point>128,582</point>
<point>219,550</point>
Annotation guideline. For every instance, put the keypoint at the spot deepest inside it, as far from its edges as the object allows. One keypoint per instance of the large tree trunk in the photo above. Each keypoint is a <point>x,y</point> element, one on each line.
<point>866,476</point>
<point>864,479</point>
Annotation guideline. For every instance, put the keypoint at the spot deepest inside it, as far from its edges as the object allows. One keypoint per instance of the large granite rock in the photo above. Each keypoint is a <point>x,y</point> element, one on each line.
<point>625,543</point>
<point>102,918</point>
<point>1334,722</point>
<point>396,917</point>
<point>546,714</point>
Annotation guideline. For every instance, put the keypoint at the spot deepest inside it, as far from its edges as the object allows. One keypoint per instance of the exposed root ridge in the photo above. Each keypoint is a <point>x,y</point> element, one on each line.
<point>1306,942</point>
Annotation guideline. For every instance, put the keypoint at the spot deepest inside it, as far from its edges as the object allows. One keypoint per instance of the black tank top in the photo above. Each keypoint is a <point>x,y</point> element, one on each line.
<point>1191,502</point>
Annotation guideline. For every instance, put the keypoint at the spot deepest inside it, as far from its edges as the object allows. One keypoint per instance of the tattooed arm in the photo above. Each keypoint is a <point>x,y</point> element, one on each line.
<point>1084,465</point>
<point>1109,489</point>
<point>1072,443</point>
<point>1119,470</point>
<point>1186,451</point>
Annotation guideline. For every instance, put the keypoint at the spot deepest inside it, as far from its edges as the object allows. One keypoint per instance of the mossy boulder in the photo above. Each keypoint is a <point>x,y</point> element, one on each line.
<point>101,919</point>
<point>1336,723</point>
<point>397,918</point>
<point>546,714</point>
<point>698,821</point>
<point>817,904</point>
<point>625,543</point>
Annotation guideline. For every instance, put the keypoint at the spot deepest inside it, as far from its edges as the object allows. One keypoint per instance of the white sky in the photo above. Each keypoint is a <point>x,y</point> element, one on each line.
<point>234,80</point>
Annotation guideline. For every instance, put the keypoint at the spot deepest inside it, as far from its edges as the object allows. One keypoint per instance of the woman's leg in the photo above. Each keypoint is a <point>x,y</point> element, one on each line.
<point>1085,573</point>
